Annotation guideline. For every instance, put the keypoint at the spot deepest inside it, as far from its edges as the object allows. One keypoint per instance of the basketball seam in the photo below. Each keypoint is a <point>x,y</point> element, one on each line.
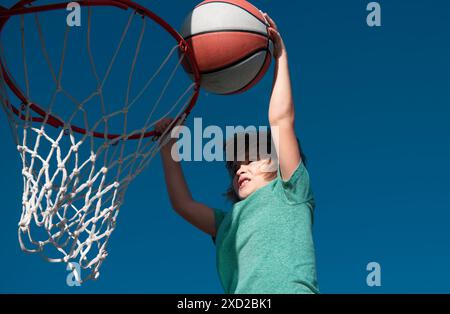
<point>202,4</point>
<point>268,55</point>
<point>224,31</point>
<point>236,62</point>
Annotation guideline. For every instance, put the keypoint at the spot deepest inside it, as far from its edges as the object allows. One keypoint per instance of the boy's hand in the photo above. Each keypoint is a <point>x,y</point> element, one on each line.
<point>279,47</point>
<point>161,127</point>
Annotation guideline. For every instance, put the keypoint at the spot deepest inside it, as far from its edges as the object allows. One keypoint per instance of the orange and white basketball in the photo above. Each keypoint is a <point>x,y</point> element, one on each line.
<point>231,44</point>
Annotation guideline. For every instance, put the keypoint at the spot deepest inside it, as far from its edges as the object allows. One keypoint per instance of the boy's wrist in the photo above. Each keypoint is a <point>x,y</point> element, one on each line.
<point>167,148</point>
<point>282,58</point>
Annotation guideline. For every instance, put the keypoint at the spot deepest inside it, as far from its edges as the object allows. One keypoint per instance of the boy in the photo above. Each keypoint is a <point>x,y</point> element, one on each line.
<point>264,244</point>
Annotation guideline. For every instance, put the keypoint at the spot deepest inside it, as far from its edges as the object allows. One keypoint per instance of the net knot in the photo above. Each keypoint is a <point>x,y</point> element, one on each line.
<point>183,46</point>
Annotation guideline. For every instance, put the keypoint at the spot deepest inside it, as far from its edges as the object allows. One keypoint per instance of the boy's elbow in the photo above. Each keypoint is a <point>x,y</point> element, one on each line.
<point>180,206</point>
<point>177,207</point>
<point>281,112</point>
<point>282,118</point>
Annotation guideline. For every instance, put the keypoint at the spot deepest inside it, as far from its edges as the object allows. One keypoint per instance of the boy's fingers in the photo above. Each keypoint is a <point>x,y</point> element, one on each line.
<point>274,34</point>
<point>271,22</point>
<point>267,18</point>
<point>163,124</point>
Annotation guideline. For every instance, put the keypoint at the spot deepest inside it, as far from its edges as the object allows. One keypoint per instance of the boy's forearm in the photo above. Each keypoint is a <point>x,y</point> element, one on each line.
<point>177,187</point>
<point>281,102</point>
<point>198,214</point>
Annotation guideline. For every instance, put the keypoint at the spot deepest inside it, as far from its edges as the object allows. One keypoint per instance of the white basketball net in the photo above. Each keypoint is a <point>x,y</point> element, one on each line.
<point>73,183</point>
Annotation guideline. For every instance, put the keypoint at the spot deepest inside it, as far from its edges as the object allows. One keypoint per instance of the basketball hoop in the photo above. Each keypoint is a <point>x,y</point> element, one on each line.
<point>79,158</point>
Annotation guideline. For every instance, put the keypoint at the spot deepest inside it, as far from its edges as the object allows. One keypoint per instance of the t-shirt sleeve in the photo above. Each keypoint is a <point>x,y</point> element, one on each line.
<point>219,215</point>
<point>297,189</point>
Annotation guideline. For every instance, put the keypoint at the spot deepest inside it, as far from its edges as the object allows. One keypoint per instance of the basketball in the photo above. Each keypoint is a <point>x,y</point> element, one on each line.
<point>231,44</point>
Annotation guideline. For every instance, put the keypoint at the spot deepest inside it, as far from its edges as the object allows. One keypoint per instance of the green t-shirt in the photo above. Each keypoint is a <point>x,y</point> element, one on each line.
<point>265,243</point>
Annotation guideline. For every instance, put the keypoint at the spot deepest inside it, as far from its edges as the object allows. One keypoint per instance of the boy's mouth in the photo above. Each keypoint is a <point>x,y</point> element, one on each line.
<point>242,182</point>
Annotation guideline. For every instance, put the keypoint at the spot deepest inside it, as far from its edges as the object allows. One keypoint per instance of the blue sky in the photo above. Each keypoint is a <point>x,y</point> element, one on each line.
<point>372,112</point>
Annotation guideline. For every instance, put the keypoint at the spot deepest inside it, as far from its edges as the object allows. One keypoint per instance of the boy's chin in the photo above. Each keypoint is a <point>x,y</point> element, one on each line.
<point>244,195</point>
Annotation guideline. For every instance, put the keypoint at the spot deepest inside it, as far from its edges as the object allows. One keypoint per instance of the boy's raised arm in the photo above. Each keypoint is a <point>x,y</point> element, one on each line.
<point>198,214</point>
<point>281,109</point>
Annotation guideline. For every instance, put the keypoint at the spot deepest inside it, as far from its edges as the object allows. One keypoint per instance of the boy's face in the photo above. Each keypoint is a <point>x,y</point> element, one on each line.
<point>251,176</point>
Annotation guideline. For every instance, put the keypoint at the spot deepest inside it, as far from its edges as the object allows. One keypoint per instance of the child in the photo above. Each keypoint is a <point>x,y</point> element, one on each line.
<point>264,244</point>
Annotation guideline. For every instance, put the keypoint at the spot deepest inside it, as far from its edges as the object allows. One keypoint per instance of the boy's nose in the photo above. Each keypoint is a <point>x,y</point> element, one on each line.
<point>242,169</point>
